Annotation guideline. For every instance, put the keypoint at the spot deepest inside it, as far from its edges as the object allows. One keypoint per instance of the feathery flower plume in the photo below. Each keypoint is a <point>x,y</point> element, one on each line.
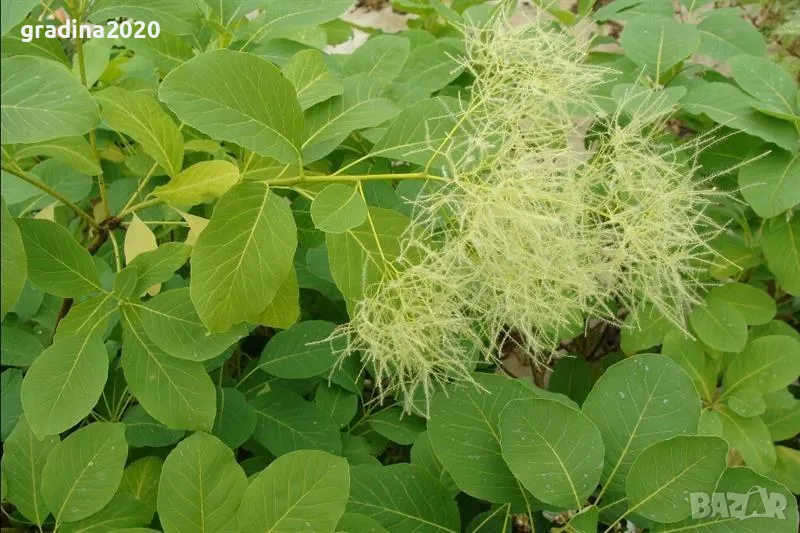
<point>531,230</point>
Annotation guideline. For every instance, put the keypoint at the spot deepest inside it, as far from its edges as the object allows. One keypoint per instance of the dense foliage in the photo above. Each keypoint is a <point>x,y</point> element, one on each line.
<point>484,274</point>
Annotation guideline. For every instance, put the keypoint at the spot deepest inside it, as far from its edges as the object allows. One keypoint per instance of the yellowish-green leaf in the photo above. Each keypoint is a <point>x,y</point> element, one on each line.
<point>201,182</point>
<point>14,261</point>
<point>75,152</point>
<point>243,257</point>
<point>311,78</point>
<point>64,383</point>
<point>42,100</point>
<point>141,116</point>
<point>237,97</point>
<point>24,456</point>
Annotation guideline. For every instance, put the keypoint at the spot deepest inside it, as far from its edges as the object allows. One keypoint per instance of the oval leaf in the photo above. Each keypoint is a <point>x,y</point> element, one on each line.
<point>242,257</point>
<point>84,470</point>
<point>201,487</point>
<point>237,97</point>
<point>554,450</point>
<point>307,491</point>
<point>637,402</point>
<point>42,100</point>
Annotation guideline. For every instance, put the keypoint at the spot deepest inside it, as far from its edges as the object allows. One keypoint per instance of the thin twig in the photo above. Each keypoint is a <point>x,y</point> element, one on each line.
<point>30,178</point>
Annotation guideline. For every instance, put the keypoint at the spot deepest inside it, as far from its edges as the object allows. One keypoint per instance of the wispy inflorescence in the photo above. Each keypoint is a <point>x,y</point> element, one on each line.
<point>532,230</point>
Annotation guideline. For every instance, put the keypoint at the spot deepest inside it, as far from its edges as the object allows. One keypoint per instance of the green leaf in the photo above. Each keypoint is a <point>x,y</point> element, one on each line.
<point>177,393</point>
<point>746,402</point>
<point>724,34</point>
<point>771,184</point>
<point>166,51</point>
<point>56,262</point>
<point>718,324</point>
<point>733,256</point>
<point>659,43</point>
<point>627,10</point>
<point>236,419</point>
<point>303,351</point>
<point>125,283</point>
<point>64,383</point>
<point>58,176</point>
<point>200,183</point>
<point>171,322</point>
<point>283,14</point>
<point>74,152</point>
<point>338,208</point>
<point>755,305</point>
<point>224,94</point>
<point>140,480</point>
<point>787,468</point>
<point>402,498</point>
<point>18,347</point>
<point>361,105</point>
<point>644,330</point>
<point>429,67</point>
<point>201,486</point>
<point>638,99</point>
<point>422,454</point>
<point>341,405</point>
<point>585,521</point>
<point>284,309</point>
<point>571,377</point>
<point>422,133</point>
<point>753,517</point>
<point>690,356</point>
<point>123,511</point>
<point>358,523</point>
<point>286,422</point>
<point>158,265</point>
<point>181,17</point>
<point>11,404</point>
<point>767,364</point>
<point>89,317</point>
<point>382,57</point>
<point>782,419</point>
<point>781,243</point>
<point>11,44</point>
<point>750,437</point>
<point>14,261</point>
<point>554,450</point>
<point>464,429</point>
<point>311,78</point>
<point>662,477</point>
<point>231,280</point>
<point>396,425</point>
<point>12,13</point>
<point>142,118</point>
<point>142,430</point>
<point>767,82</point>
<point>42,100</point>
<point>637,402</point>
<point>83,471</point>
<point>300,491</point>
<point>356,260</point>
<point>24,457</point>
<point>730,107</point>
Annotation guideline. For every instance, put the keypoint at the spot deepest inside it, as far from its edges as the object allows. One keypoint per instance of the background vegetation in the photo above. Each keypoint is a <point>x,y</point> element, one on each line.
<point>191,224</point>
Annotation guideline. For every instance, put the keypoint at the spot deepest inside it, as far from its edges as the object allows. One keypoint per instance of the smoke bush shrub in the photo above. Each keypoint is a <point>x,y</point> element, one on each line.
<point>487,273</point>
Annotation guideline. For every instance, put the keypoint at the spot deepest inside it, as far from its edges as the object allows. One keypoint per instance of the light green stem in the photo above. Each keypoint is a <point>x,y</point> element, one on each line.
<point>30,178</point>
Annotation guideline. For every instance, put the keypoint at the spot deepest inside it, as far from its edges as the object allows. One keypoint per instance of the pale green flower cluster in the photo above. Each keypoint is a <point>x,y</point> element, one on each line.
<point>532,231</point>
